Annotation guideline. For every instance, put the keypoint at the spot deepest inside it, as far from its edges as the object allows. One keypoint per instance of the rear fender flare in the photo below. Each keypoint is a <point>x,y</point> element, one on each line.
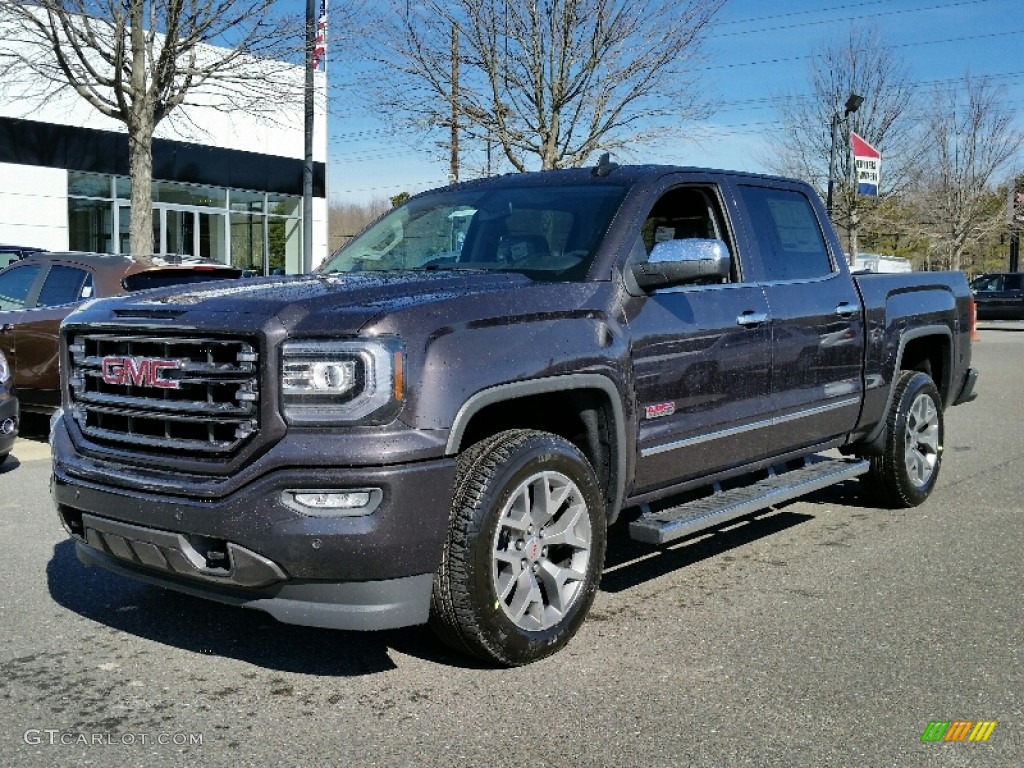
<point>878,431</point>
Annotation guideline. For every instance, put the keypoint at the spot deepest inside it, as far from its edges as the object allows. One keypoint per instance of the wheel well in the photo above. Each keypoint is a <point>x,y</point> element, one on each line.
<point>929,354</point>
<point>584,417</point>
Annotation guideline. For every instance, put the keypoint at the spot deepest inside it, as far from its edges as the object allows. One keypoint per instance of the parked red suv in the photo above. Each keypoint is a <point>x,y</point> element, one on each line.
<point>41,289</point>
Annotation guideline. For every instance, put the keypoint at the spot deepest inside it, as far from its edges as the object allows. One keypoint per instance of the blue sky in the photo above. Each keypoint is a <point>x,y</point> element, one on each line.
<point>757,49</point>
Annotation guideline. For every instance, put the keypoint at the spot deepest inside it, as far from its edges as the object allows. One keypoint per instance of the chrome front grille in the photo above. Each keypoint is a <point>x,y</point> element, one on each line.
<point>159,394</point>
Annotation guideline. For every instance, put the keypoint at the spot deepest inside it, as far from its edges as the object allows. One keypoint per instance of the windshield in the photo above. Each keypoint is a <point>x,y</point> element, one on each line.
<point>547,233</point>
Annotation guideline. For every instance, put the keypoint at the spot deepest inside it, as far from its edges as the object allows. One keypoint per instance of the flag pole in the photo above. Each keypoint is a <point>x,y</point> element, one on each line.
<point>307,165</point>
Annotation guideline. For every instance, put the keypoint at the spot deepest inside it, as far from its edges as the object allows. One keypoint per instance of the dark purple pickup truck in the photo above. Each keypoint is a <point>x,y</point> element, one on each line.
<point>441,423</point>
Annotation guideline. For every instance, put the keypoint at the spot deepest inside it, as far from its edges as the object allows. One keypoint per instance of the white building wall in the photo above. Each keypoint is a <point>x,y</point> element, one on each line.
<point>34,199</point>
<point>279,133</point>
<point>278,130</point>
<point>34,206</point>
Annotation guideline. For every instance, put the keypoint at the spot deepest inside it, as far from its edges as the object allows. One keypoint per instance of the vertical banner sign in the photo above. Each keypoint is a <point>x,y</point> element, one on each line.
<point>320,41</point>
<point>868,164</point>
<point>1015,203</point>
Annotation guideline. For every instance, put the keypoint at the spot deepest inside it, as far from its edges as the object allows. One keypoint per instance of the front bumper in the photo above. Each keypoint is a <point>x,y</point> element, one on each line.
<point>361,605</point>
<point>253,548</point>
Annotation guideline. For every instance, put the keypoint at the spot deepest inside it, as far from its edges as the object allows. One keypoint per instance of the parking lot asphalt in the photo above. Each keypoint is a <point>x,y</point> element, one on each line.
<point>823,633</point>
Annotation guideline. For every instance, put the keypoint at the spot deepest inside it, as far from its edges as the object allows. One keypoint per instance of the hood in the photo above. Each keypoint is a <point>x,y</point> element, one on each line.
<point>344,301</point>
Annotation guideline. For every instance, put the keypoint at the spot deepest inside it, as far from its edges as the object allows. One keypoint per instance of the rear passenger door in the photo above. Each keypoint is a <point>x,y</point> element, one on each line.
<point>817,328</point>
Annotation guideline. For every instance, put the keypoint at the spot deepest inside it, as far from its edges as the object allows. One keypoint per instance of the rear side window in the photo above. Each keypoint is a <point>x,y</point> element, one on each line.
<point>788,235</point>
<point>1013,282</point>
<point>15,285</point>
<point>65,285</point>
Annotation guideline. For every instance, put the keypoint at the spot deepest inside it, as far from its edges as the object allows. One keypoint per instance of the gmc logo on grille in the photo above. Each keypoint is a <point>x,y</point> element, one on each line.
<point>139,372</point>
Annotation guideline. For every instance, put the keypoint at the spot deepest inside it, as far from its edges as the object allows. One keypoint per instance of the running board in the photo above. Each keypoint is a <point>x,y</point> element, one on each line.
<point>723,506</point>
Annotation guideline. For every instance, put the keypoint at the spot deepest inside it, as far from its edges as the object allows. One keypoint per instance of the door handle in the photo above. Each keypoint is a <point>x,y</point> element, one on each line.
<point>846,309</point>
<point>750,319</point>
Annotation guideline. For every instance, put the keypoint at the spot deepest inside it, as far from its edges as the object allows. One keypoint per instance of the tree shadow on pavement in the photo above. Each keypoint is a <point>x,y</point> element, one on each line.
<point>210,628</point>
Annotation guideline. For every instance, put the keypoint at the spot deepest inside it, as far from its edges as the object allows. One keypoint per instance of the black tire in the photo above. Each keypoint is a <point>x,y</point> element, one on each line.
<point>3,457</point>
<point>501,593</point>
<point>905,474</point>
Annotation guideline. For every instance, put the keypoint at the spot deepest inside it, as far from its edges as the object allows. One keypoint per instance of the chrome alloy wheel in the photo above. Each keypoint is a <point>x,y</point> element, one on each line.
<point>922,440</point>
<point>541,551</point>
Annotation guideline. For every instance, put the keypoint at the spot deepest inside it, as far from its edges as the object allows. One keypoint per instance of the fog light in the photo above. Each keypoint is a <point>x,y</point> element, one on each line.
<point>334,503</point>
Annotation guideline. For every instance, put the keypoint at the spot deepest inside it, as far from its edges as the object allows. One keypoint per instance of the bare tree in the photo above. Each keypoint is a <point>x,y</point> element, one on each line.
<point>137,61</point>
<point>547,84</point>
<point>346,220</point>
<point>970,141</point>
<point>864,64</point>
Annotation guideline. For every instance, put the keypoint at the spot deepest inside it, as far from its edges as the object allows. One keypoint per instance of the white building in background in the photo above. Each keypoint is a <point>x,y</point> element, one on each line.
<point>227,186</point>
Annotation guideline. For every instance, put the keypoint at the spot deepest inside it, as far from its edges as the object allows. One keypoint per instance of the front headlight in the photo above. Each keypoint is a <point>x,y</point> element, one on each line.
<point>325,381</point>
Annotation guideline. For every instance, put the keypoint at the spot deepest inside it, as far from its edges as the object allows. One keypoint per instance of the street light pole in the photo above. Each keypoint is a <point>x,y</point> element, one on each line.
<point>852,105</point>
<point>832,164</point>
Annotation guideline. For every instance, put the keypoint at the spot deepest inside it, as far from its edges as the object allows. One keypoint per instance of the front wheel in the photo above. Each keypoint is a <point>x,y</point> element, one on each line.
<point>905,474</point>
<point>525,548</point>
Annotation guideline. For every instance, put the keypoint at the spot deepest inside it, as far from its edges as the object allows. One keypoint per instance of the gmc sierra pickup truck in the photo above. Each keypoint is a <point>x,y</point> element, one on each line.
<point>441,423</point>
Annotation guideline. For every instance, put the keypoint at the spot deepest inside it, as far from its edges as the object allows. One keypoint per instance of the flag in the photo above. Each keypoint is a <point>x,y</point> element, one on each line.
<point>867,163</point>
<point>320,41</point>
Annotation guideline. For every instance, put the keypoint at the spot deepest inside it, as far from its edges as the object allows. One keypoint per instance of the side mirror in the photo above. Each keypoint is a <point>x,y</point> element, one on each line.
<point>676,262</point>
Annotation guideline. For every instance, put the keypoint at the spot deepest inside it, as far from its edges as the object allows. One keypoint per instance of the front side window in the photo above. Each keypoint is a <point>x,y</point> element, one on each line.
<point>788,235</point>
<point>546,233</point>
<point>987,283</point>
<point>15,285</point>
<point>686,213</point>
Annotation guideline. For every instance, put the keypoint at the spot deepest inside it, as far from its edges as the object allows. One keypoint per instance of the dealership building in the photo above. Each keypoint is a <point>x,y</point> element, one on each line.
<point>226,185</point>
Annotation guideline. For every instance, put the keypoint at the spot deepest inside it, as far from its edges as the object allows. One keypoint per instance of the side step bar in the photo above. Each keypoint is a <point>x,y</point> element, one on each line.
<point>723,506</point>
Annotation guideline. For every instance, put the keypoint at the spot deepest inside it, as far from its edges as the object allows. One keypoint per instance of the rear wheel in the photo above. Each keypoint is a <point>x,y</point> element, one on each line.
<point>525,548</point>
<point>905,474</point>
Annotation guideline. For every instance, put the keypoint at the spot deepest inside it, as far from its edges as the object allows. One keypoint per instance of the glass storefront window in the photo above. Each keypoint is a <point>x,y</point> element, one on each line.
<point>124,217</point>
<point>122,188</point>
<point>211,236</point>
<point>284,238</point>
<point>247,242</point>
<point>186,194</point>
<point>247,201</point>
<point>88,185</point>
<point>252,230</point>
<point>90,225</point>
<point>284,205</point>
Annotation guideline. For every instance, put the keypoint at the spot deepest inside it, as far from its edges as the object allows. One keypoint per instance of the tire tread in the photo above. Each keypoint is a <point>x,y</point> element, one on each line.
<point>453,616</point>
